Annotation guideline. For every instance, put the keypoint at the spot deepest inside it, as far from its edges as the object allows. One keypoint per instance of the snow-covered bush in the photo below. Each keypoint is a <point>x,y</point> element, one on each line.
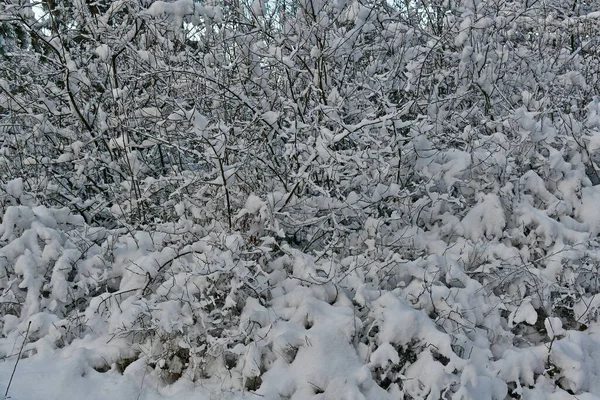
<point>299,199</point>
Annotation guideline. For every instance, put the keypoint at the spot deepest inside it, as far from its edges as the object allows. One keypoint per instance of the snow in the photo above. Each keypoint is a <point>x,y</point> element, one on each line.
<point>14,187</point>
<point>103,51</point>
<point>312,202</point>
<point>588,212</point>
<point>525,312</point>
<point>177,8</point>
<point>554,327</point>
<point>271,117</point>
<point>254,204</point>
<point>58,376</point>
<point>485,220</point>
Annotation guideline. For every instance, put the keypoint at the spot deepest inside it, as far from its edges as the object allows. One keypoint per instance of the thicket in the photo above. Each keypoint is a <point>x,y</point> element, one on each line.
<point>263,194</point>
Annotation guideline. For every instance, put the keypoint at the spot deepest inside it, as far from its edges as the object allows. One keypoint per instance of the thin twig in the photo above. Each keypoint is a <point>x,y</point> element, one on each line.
<point>17,362</point>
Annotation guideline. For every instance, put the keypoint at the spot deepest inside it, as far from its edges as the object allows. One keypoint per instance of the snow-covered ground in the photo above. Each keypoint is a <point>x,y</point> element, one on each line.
<point>59,377</point>
<point>62,375</point>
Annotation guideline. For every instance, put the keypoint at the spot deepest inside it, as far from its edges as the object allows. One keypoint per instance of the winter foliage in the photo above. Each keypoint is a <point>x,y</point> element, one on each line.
<point>304,199</point>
